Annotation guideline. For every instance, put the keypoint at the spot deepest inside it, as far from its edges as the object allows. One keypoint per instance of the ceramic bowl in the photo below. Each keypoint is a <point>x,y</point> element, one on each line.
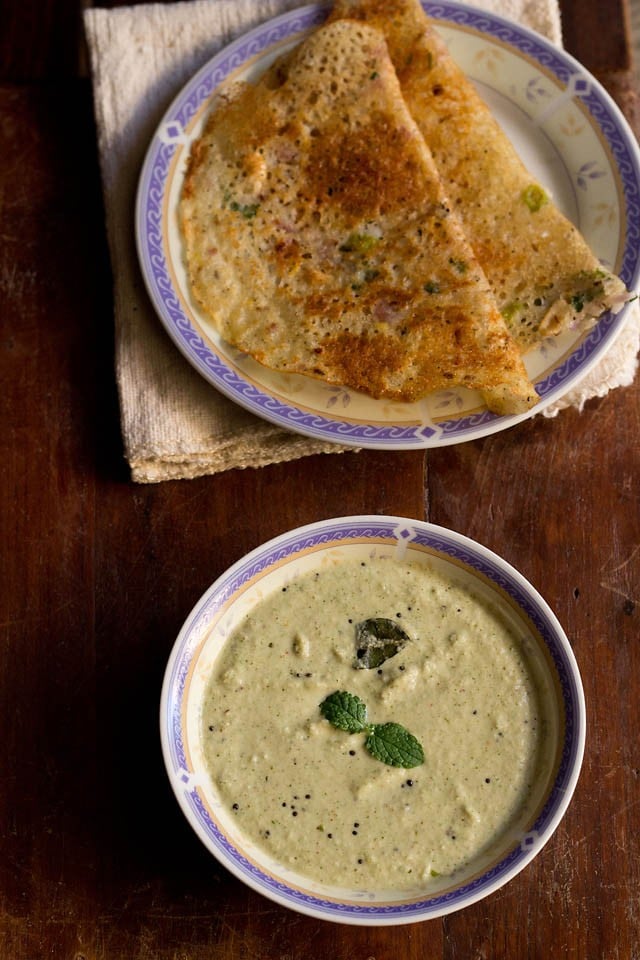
<point>267,568</point>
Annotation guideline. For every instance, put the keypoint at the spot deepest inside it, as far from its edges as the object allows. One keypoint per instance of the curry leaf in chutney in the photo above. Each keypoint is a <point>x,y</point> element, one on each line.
<point>377,639</point>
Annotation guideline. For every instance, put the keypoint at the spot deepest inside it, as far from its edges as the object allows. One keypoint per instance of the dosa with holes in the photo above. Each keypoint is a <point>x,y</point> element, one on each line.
<point>320,241</point>
<point>544,276</point>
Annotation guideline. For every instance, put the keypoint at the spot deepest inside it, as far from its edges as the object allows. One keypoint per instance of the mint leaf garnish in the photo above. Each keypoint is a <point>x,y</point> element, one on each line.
<point>345,711</point>
<point>394,745</point>
<point>377,639</point>
<point>389,742</point>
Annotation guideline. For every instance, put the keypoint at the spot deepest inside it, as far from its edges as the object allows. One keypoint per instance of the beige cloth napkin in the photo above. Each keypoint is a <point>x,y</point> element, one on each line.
<point>174,423</point>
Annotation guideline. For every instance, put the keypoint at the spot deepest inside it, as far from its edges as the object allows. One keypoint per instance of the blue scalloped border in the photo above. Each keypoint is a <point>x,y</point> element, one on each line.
<point>149,221</point>
<point>450,546</point>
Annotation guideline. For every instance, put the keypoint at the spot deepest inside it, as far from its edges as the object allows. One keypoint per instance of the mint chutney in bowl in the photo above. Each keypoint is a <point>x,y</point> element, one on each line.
<point>373,720</point>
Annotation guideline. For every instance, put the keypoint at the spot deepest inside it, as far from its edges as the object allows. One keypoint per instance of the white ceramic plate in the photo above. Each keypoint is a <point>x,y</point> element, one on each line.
<point>569,133</point>
<point>268,568</point>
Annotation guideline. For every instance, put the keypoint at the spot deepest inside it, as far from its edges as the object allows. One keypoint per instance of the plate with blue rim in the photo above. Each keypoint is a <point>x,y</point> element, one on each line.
<point>568,131</point>
<point>268,570</point>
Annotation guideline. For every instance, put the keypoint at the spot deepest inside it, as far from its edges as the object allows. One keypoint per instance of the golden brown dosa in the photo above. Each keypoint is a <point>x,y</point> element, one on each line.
<point>319,238</point>
<point>544,276</point>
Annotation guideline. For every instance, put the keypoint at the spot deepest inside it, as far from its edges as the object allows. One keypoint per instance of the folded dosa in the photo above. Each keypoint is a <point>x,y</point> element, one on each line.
<point>319,239</point>
<point>544,276</point>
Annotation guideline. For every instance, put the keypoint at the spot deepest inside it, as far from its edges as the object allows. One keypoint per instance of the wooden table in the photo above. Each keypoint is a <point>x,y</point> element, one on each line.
<point>97,575</point>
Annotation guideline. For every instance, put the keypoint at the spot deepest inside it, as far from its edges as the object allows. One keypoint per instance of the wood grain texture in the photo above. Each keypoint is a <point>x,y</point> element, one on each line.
<point>47,357</point>
<point>97,575</point>
<point>599,36</point>
<point>40,40</point>
<point>559,499</point>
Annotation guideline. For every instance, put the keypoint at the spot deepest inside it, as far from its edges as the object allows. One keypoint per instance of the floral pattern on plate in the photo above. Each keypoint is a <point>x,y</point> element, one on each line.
<point>567,130</point>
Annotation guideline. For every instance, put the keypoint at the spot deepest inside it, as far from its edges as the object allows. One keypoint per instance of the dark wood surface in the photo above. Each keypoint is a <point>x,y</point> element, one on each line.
<point>97,574</point>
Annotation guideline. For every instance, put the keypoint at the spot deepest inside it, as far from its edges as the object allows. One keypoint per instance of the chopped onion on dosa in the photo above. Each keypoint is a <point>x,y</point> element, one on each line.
<point>319,238</point>
<point>544,276</point>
